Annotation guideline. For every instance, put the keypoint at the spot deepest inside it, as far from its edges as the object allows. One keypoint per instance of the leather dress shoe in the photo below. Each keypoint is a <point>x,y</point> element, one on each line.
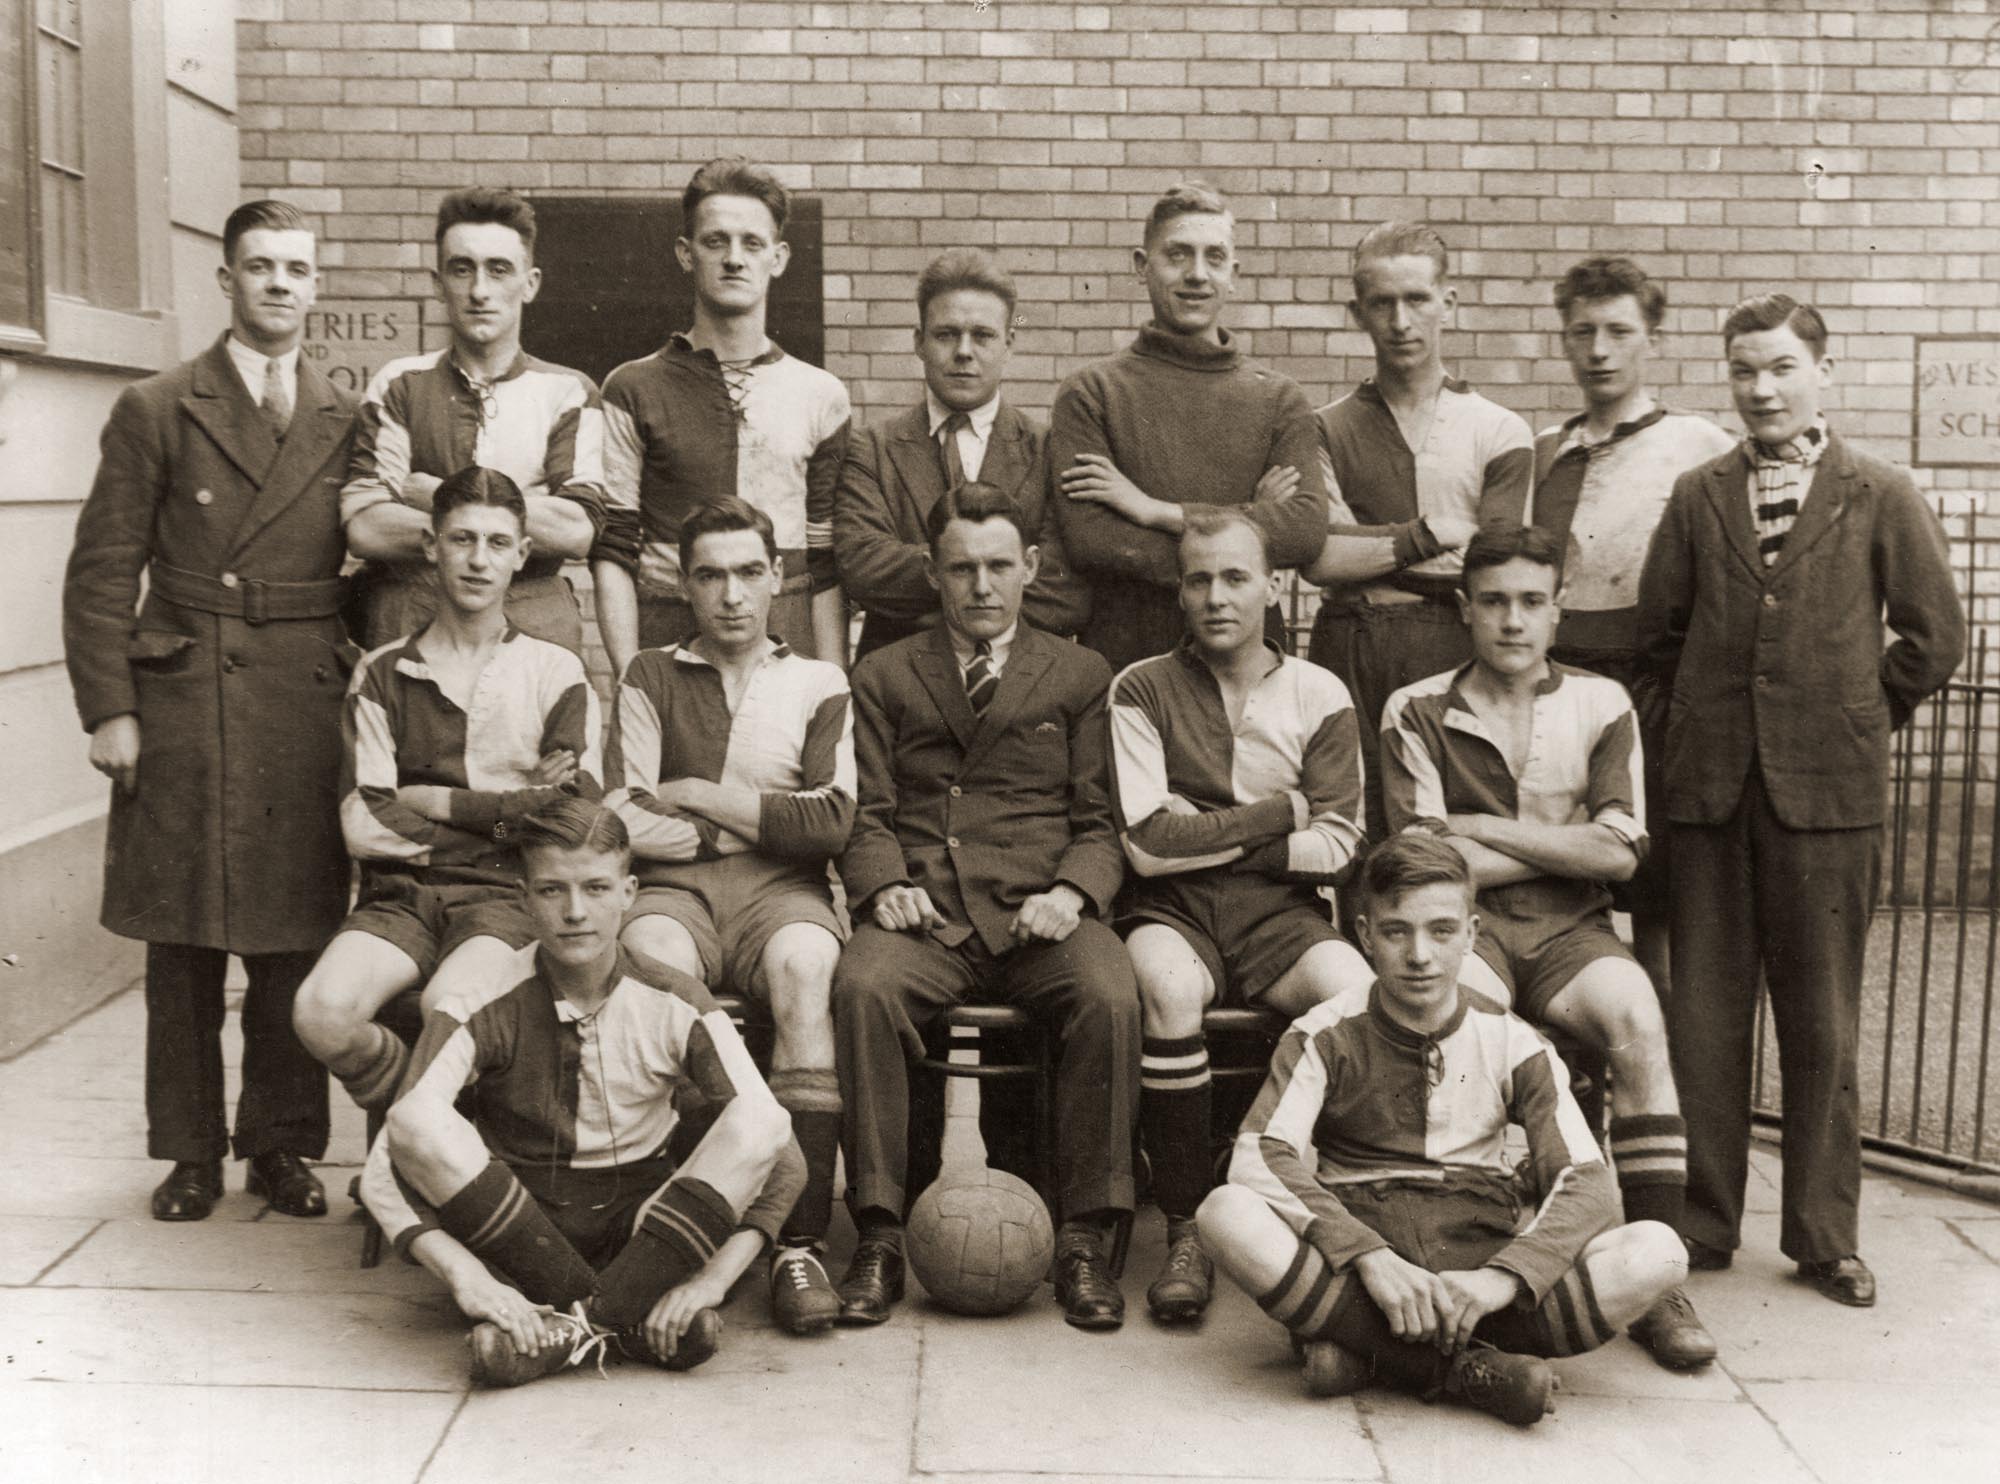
<point>189,1192</point>
<point>1085,1288</point>
<point>284,1180</point>
<point>873,1284</point>
<point>1703,1258</point>
<point>1845,1280</point>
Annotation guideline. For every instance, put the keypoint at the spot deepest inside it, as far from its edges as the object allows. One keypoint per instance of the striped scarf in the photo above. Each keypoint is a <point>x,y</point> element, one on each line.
<point>1783,477</point>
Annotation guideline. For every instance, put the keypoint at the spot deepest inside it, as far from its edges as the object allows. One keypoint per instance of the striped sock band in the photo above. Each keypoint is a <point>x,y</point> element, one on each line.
<point>1179,1064</point>
<point>1569,1318</point>
<point>503,1225</point>
<point>1307,1297</point>
<point>374,1083</point>
<point>1175,1103</point>
<point>1649,1151</point>
<point>678,1230</point>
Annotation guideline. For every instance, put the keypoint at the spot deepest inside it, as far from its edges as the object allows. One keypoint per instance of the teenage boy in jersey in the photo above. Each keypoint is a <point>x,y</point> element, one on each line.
<point>722,410</point>
<point>562,1206</point>
<point>1762,607</point>
<point>1601,482</point>
<point>480,400</point>
<point>982,862</point>
<point>963,429</point>
<point>1237,786</point>
<point>1374,1207</point>
<point>1179,420</point>
<point>732,765</point>
<point>1533,772</point>
<point>1414,458</point>
<point>453,735</point>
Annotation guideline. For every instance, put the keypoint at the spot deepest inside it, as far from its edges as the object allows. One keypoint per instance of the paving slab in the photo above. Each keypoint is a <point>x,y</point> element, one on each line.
<point>1623,1368</point>
<point>1980,1232</point>
<point>271,1256</point>
<point>1870,1432</point>
<point>115,1189</point>
<point>58,1433</point>
<point>28,1244</point>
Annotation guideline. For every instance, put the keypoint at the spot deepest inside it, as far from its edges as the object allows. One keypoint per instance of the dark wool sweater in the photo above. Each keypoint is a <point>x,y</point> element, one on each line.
<point>1188,422</point>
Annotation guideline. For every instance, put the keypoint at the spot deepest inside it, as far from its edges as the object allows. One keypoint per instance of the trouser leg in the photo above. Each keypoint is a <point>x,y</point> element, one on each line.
<point>283,1104</point>
<point>184,1009</point>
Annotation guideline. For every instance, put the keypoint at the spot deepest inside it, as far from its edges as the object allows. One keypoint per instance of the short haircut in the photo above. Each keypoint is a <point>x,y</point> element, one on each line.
<point>726,514</point>
<point>976,502</point>
<point>573,824</point>
<point>1596,279</point>
<point>1402,863</point>
<point>735,175</point>
<point>1496,545</point>
<point>495,204</point>
<point>1215,522</point>
<point>1185,198</point>
<point>251,216</point>
<point>1773,312</point>
<point>963,268</point>
<point>474,485</point>
<point>1400,240</point>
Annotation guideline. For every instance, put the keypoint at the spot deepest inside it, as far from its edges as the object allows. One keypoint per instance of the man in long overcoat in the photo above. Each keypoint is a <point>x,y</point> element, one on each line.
<point>214,707</point>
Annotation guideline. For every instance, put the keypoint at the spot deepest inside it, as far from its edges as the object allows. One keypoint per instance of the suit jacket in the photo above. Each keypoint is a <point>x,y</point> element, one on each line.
<point>1785,666</point>
<point>891,480</point>
<point>982,813</point>
<point>233,837</point>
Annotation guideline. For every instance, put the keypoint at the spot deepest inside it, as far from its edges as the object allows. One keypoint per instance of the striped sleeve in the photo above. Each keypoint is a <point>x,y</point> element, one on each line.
<point>1275,1157</point>
<point>372,822</point>
<point>1578,1198</point>
<point>812,822</point>
<point>1412,785</point>
<point>1616,796</point>
<point>1330,777</point>
<point>632,765</point>
<point>822,480</point>
<point>444,1063</point>
<point>1163,832</point>
<point>569,723</point>
<point>574,464</point>
<point>1509,479</point>
<point>380,460</point>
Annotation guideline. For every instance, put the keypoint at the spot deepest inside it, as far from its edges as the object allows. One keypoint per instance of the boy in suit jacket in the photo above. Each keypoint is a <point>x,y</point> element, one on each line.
<point>962,430</point>
<point>1761,609</point>
<point>983,860</point>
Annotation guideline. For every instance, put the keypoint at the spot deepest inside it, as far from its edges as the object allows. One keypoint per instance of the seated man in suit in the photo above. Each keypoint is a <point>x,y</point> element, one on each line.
<point>1533,772</point>
<point>895,473</point>
<point>429,799</point>
<point>1237,784</point>
<point>563,1210</point>
<point>732,764</point>
<point>982,861</point>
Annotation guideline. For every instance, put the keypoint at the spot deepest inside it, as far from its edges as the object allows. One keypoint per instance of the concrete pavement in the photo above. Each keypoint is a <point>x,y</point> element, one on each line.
<point>252,1347</point>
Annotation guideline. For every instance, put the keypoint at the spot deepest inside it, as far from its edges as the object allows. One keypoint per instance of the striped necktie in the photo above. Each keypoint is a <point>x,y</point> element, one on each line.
<point>980,680</point>
<point>277,403</point>
<point>954,462</point>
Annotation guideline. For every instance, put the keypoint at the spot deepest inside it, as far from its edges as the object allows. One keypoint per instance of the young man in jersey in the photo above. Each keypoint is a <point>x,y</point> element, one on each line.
<point>453,736</point>
<point>569,1212</point>
<point>721,410</point>
<point>1237,788</point>
<point>1533,772</point>
<point>1180,420</point>
<point>732,765</point>
<point>1373,1206</point>
<point>481,400</point>
<point>1413,459</point>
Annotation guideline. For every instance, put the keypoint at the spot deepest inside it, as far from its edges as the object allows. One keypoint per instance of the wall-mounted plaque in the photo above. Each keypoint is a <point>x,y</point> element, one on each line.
<point>349,340</point>
<point>1958,402</point>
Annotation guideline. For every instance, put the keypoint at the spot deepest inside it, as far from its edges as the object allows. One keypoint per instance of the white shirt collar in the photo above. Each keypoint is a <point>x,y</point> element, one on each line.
<point>981,417</point>
<point>250,366</point>
<point>1003,645</point>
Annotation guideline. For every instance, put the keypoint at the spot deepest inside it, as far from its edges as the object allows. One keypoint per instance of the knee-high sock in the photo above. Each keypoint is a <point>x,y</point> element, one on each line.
<point>503,1226</point>
<point>679,1230</point>
<point>812,1096</point>
<point>378,1073</point>
<point>1174,1099</point>
<point>1650,1153</point>
<point>1315,1302</point>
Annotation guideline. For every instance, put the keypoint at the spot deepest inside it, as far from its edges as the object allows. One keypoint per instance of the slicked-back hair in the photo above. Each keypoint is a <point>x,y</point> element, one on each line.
<point>736,175</point>
<point>977,502</point>
<point>963,268</point>
<point>726,514</point>
<point>251,216</point>
<point>573,824</point>
<point>1594,280</point>
<point>1403,863</point>
<point>1185,198</point>
<point>495,204</point>
<point>1400,240</point>
<point>1776,311</point>
<point>476,485</point>
<point>1497,545</point>
<point>1204,523</point>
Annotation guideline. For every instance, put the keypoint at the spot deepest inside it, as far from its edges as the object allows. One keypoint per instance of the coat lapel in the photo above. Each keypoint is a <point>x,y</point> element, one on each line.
<point>1009,451</point>
<point>218,403</point>
<point>1031,657</point>
<point>319,422</point>
<point>1825,500</point>
<point>937,668</point>
<point>916,459</point>
<point>1729,491</point>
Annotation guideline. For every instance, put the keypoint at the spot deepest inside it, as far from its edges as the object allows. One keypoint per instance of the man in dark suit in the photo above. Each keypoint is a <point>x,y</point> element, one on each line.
<point>1761,609</point>
<point>895,473</point>
<point>215,710</point>
<point>982,861</point>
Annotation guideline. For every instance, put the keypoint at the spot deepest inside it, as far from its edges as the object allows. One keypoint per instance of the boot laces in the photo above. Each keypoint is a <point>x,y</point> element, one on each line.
<point>587,1339</point>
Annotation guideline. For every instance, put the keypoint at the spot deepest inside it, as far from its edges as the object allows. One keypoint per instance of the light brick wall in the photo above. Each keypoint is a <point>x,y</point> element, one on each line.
<point>1847,152</point>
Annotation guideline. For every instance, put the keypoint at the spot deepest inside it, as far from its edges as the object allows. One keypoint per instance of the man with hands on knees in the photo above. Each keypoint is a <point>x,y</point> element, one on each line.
<point>1373,1207</point>
<point>568,1212</point>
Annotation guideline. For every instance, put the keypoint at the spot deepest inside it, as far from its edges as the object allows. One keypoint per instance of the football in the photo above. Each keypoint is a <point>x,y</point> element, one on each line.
<point>979,1241</point>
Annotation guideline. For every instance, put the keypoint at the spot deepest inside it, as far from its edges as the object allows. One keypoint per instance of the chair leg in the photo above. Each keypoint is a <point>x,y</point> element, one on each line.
<point>371,1242</point>
<point>1045,1125</point>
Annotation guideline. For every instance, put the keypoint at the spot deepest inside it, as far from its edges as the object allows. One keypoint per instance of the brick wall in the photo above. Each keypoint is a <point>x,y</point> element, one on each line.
<point>1847,152</point>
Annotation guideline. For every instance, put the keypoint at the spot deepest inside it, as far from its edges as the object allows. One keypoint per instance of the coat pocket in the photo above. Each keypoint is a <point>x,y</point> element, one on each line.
<point>159,651</point>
